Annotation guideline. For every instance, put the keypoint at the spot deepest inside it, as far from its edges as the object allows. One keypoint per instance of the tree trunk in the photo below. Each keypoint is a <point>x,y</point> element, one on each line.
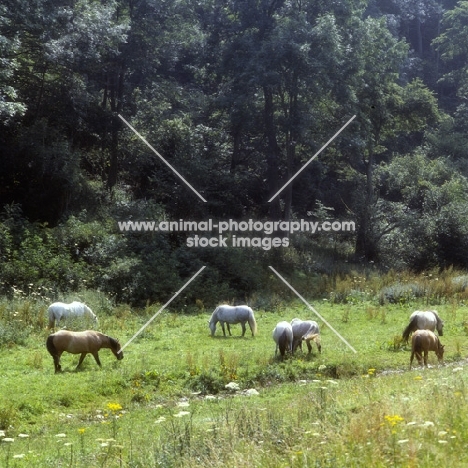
<point>366,241</point>
<point>116,99</point>
<point>273,154</point>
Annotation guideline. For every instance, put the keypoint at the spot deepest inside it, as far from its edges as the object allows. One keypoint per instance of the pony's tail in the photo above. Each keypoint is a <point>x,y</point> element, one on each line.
<point>51,318</point>
<point>282,342</point>
<point>418,347</point>
<point>50,346</point>
<point>252,323</point>
<point>410,328</point>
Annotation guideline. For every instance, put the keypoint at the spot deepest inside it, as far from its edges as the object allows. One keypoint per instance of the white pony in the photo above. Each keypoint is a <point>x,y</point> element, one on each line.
<point>305,330</point>
<point>283,336</point>
<point>424,320</point>
<point>59,310</point>
<point>229,314</point>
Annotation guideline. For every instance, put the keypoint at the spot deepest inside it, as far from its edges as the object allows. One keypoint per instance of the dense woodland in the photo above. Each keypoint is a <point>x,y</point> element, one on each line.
<point>237,95</point>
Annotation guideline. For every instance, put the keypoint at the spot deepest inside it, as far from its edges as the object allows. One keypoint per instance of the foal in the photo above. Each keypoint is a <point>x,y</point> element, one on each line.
<point>425,340</point>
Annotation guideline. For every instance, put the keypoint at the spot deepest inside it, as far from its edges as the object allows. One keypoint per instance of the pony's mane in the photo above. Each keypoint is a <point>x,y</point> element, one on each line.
<point>436,315</point>
<point>113,342</point>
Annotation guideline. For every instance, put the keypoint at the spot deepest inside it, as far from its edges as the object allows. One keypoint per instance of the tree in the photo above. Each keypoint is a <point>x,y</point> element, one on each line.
<point>385,111</point>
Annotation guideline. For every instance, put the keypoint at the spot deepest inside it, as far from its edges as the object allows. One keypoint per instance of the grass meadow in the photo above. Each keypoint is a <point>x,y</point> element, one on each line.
<point>166,403</point>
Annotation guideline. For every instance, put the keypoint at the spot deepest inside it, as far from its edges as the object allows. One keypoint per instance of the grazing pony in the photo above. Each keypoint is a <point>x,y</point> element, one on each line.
<point>283,336</point>
<point>427,320</point>
<point>59,310</point>
<point>230,315</point>
<point>425,340</point>
<point>84,342</point>
<point>305,330</point>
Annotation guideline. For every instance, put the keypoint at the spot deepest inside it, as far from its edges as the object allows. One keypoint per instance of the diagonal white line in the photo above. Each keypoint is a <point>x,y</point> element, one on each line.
<point>311,308</point>
<point>312,158</point>
<point>162,308</point>
<point>157,154</point>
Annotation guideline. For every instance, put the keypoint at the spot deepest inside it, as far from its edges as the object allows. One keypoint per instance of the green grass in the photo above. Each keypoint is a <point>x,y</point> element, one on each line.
<point>322,410</point>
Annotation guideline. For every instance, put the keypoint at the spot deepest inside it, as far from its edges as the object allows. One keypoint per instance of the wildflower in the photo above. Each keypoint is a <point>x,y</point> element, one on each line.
<point>114,407</point>
<point>183,404</point>
<point>181,413</point>
<point>19,455</point>
<point>23,436</point>
<point>8,439</point>
<point>442,441</point>
<point>393,420</point>
<point>418,377</point>
<point>371,371</point>
<point>403,441</point>
<point>81,430</point>
<point>61,435</point>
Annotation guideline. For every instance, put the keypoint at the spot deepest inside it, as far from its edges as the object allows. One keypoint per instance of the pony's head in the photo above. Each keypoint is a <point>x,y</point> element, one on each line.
<point>440,350</point>
<point>90,314</point>
<point>212,325</point>
<point>116,348</point>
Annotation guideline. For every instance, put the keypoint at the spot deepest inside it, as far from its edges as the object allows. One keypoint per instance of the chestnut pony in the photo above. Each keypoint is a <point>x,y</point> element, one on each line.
<point>84,342</point>
<point>425,341</point>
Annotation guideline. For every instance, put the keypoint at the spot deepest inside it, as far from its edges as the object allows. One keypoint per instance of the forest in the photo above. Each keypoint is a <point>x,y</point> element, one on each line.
<point>237,96</point>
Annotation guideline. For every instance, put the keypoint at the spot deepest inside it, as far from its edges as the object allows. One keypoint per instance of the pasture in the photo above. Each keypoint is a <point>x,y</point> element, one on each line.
<point>165,403</point>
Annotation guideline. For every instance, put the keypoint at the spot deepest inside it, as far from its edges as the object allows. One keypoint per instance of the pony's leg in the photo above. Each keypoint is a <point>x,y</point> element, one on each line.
<point>411,359</point>
<point>295,345</point>
<point>58,367</point>
<point>425,357</point>
<point>83,355</point>
<point>96,358</point>
<point>243,328</point>
<point>309,346</point>
<point>229,328</point>
<point>222,326</point>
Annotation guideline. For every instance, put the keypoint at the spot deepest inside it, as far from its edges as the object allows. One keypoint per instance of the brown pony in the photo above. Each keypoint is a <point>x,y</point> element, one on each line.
<point>425,340</point>
<point>84,342</point>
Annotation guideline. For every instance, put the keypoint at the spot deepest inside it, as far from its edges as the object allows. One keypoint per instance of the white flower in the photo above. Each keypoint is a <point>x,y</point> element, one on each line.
<point>181,413</point>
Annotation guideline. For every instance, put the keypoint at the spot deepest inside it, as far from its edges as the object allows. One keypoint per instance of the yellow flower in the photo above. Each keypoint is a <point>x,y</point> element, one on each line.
<point>114,407</point>
<point>81,430</point>
<point>393,420</point>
